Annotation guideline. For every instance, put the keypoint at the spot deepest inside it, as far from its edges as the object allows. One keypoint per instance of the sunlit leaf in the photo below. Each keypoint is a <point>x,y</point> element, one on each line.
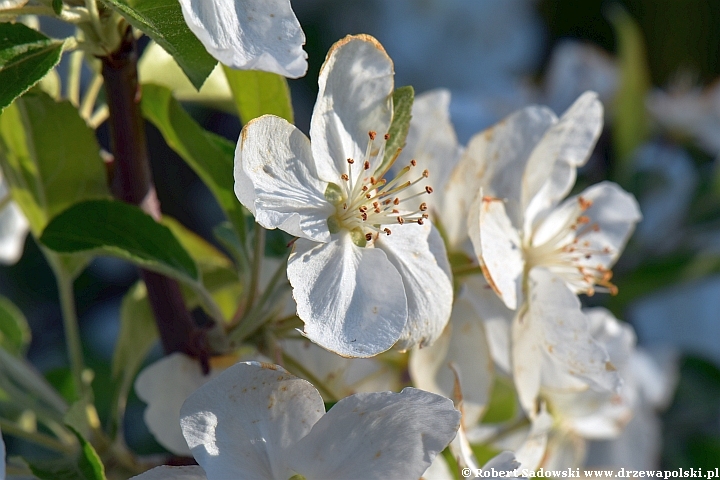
<point>118,229</point>
<point>26,56</point>
<point>259,93</point>
<point>14,329</point>
<point>209,155</point>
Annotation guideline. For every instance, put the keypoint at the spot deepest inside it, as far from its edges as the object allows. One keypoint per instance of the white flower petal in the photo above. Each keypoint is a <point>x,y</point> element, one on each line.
<point>431,139</point>
<point>377,435</point>
<point>171,473</point>
<point>464,345</point>
<point>504,461</point>
<point>533,449</point>
<point>498,156</point>
<point>551,169</point>
<point>638,447</point>
<point>553,345</point>
<point>241,424</point>
<point>249,34</point>
<point>342,376</point>
<point>351,299</point>
<point>355,82</point>
<point>499,248</point>
<point>14,228</point>
<point>418,253</point>
<point>276,179</point>
<point>438,470</point>
<point>564,451</point>
<point>613,210</point>
<point>496,317</point>
<point>164,386</point>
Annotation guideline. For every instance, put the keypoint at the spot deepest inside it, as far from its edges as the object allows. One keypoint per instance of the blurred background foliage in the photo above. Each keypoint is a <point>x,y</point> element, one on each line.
<point>482,50</point>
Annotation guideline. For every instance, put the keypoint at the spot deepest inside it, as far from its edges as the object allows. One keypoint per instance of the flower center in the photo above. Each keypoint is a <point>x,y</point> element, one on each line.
<point>367,203</point>
<point>570,254</point>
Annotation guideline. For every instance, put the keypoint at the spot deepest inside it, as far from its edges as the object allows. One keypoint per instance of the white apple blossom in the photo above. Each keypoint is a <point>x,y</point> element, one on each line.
<point>582,413</point>
<point>14,227</point>
<point>258,421</point>
<point>368,270</point>
<point>517,223</point>
<point>607,429</point>
<point>249,34</point>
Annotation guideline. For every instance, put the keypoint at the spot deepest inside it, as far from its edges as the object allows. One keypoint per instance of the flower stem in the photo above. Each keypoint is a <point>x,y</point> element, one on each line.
<point>132,183</point>
<point>258,254</point>
<point>73,78</point>
<point>88,102</point>
<point>70,325</point>
<point>13,429</point>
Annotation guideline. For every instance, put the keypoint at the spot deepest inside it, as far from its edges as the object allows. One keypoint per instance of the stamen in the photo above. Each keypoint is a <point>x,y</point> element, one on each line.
<point>370,200</point>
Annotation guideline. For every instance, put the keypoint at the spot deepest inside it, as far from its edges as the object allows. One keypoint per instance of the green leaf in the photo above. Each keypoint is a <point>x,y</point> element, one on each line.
<point>50,158</point>
<point>121,230</point>
<point>259,93</point>
<point>14,329</point>
<point>86,466</point>
<point>26,56</point>
<point>162,20</point>
<point>138,333</point>
<point>209,155</point>
<point>402,113</point>
<point>57,6</point>
<point>630,121</point>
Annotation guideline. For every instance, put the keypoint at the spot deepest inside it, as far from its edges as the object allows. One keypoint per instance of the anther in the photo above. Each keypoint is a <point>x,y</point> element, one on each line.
<point>368,236</point>
<point>420,221</point>
<point>350,161</point>
<point>584,204</point>
<point>372,134</point>
<point>387,136</point>
<point>396,201</point>
<point>413,162</point>
<point>583,219</point>
<point>345,177</point>
<point>373,181</point>
<point>426,173</point>
<point>400,220</point>
<point>366,165</point>
<point>387,230</point>
<point>428,189</point>
<point>423,207</point>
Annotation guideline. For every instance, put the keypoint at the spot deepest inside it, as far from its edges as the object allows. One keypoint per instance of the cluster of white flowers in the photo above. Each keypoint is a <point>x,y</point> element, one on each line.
<point>370,269</point>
